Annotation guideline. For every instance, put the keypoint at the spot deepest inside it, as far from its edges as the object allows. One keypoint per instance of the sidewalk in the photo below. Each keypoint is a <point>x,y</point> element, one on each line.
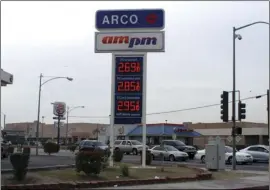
<point>246,182</point>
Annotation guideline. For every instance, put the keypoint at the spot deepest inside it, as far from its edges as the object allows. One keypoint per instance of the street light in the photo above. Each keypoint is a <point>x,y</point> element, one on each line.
<point>39,97</point>
<point>69,109</point>
<point>239,37</point>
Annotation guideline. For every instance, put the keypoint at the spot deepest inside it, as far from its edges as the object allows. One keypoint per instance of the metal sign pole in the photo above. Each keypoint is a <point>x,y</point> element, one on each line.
<point>112,110</point>
<point>144,110</point>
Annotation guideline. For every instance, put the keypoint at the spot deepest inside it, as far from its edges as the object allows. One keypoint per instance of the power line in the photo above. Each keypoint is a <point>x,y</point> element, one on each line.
<point>174,111</point>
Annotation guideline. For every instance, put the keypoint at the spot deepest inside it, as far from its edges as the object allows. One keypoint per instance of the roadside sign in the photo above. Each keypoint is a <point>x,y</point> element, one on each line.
<point>61,124</point>
<point>130,19</point>
<point>238,139</point>
<point>59,108</point>
<point>108,42</point>
<point>174,136</point>
<point>61,118</point>
<point>128,88</point>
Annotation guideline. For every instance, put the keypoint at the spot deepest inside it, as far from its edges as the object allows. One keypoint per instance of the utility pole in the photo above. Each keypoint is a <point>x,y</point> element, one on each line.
<point>233,103</point>
<point>4,121</point>
<point>42,126</point>
<point>58,130</point>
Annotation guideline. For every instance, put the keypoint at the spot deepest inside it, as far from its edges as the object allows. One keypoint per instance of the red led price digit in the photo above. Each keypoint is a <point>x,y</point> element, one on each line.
<point>121,67</point>
<point>120,86</point>
<point>127,67</point>
<point>126,105</point>
<point>132,106</point>
<point>120,106</point>
<point>132,86</point>
<point>126,85</point>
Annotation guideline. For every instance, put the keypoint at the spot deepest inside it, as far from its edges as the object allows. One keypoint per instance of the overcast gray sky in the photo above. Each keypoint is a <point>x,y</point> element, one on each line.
<point>57,39</point>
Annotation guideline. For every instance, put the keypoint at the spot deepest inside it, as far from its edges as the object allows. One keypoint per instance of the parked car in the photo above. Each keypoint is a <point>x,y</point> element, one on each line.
<point>167,152</point>
<point>258,152</point>
<point>241,157</point>
<point>4,150</point>
<point>90,144</point>
<point>129,146</point>
<point>179,145</point>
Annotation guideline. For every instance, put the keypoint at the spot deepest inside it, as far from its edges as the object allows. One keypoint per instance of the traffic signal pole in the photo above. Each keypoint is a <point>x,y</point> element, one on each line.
<point>233,103</point>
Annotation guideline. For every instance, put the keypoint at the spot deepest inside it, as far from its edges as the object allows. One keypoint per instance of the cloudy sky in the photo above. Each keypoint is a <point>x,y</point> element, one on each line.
<point>57,39</point>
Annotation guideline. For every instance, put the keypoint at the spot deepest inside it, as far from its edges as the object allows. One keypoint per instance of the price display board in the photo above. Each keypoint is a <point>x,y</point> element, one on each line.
<point>128,90</point>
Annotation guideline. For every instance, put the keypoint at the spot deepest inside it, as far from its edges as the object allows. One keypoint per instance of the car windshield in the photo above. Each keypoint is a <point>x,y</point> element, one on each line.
<point>179,143</point>
<point>170,148</point>
<point>267,147</point>
<point>136,142</point>
<point>99,144</point>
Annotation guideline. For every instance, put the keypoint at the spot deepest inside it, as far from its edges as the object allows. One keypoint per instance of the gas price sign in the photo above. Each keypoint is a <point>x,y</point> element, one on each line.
<point>128,90</point>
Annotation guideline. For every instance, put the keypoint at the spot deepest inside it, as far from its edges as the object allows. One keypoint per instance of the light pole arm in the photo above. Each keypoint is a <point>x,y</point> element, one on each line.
<point>248,25</point>
<point>53,79</point>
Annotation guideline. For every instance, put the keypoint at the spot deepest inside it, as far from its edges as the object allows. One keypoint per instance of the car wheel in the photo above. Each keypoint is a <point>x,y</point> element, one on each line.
<point>171,158</point>
<point>153,157</point>
<point>116,149</point>
<point>134,151</point>
<point>203,159</point>
<point>127,153</point>
<point>230,160</point>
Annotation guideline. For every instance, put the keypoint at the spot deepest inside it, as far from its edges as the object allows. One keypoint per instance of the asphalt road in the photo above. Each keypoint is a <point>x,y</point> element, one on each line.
<point>68,158</point>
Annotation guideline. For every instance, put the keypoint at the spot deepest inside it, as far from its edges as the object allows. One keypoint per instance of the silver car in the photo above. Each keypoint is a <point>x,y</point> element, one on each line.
<point>258,152</point>
<point>129,146</point>
<point>167,152</point>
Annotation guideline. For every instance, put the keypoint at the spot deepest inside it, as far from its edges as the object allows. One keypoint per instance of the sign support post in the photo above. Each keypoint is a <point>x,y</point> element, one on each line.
<point>144,110</point>
<point>112,111</point>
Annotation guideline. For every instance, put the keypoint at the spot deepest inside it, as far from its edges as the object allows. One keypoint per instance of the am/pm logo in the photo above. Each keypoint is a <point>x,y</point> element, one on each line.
<point>129,41</point>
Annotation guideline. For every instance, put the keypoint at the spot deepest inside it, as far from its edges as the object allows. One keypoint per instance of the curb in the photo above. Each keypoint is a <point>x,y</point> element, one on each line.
<point>266,187</point>
<point>44,168</point>
<point>97,184</point>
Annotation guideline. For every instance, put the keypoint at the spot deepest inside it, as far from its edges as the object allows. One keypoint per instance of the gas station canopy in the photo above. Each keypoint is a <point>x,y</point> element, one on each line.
<point>6,78</point>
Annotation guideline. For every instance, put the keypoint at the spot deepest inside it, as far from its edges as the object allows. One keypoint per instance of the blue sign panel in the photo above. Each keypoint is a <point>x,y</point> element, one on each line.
<point>130,19</point>
<point>128,90</point>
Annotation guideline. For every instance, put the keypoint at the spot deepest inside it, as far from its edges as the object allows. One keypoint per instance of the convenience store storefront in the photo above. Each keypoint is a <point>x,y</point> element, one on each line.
<point>155,133</point>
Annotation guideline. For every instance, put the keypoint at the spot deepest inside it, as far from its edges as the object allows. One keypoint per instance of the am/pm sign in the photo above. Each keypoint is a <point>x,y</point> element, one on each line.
<point>130,19</point>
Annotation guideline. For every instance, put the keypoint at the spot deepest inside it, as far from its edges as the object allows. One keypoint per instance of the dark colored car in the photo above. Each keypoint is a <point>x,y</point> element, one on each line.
<point>4,150</point>
<point>92,144</point>
<point>179,145</point>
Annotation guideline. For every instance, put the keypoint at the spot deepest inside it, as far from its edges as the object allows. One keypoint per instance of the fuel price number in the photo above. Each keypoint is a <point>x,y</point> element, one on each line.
<point>128,105</point>
<point>129,67</point>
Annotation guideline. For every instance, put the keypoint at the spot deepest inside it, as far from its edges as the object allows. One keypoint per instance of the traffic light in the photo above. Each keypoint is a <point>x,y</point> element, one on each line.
<point>241,111</point>
<point>236,131</point>
<point>225,106</point>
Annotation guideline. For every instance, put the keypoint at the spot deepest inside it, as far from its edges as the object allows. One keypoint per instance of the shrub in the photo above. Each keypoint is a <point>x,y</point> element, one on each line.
<point>26,150</point>
<point>148,159</point>
<point>124,170</point>
<point>10,149</point>
<point>72,147</point>
<point>118,155</point>
<point>19,163</point>
<point>51,147</point>
<point>90,162</point>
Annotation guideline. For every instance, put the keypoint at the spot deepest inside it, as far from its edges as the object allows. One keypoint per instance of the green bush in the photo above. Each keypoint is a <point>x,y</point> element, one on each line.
<point>10,149</point>
<point>19,163</point>
<point>118,155</point>
<point>124,170</point>
<point>26,150</point>
<point>148,159</point>
<point>72,147</point>
<point>89,162</point>
<point>51,147</point>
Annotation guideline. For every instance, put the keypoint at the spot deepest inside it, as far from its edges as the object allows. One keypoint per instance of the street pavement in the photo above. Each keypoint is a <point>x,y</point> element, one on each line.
<point>245,182</point>
<point>65,157</point>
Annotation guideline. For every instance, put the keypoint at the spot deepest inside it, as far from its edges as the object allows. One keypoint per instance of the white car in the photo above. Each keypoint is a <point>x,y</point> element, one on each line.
<point>241,157</point>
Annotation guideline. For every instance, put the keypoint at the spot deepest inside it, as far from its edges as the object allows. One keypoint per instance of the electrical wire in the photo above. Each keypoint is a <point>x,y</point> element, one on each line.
<point>174,111</point>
